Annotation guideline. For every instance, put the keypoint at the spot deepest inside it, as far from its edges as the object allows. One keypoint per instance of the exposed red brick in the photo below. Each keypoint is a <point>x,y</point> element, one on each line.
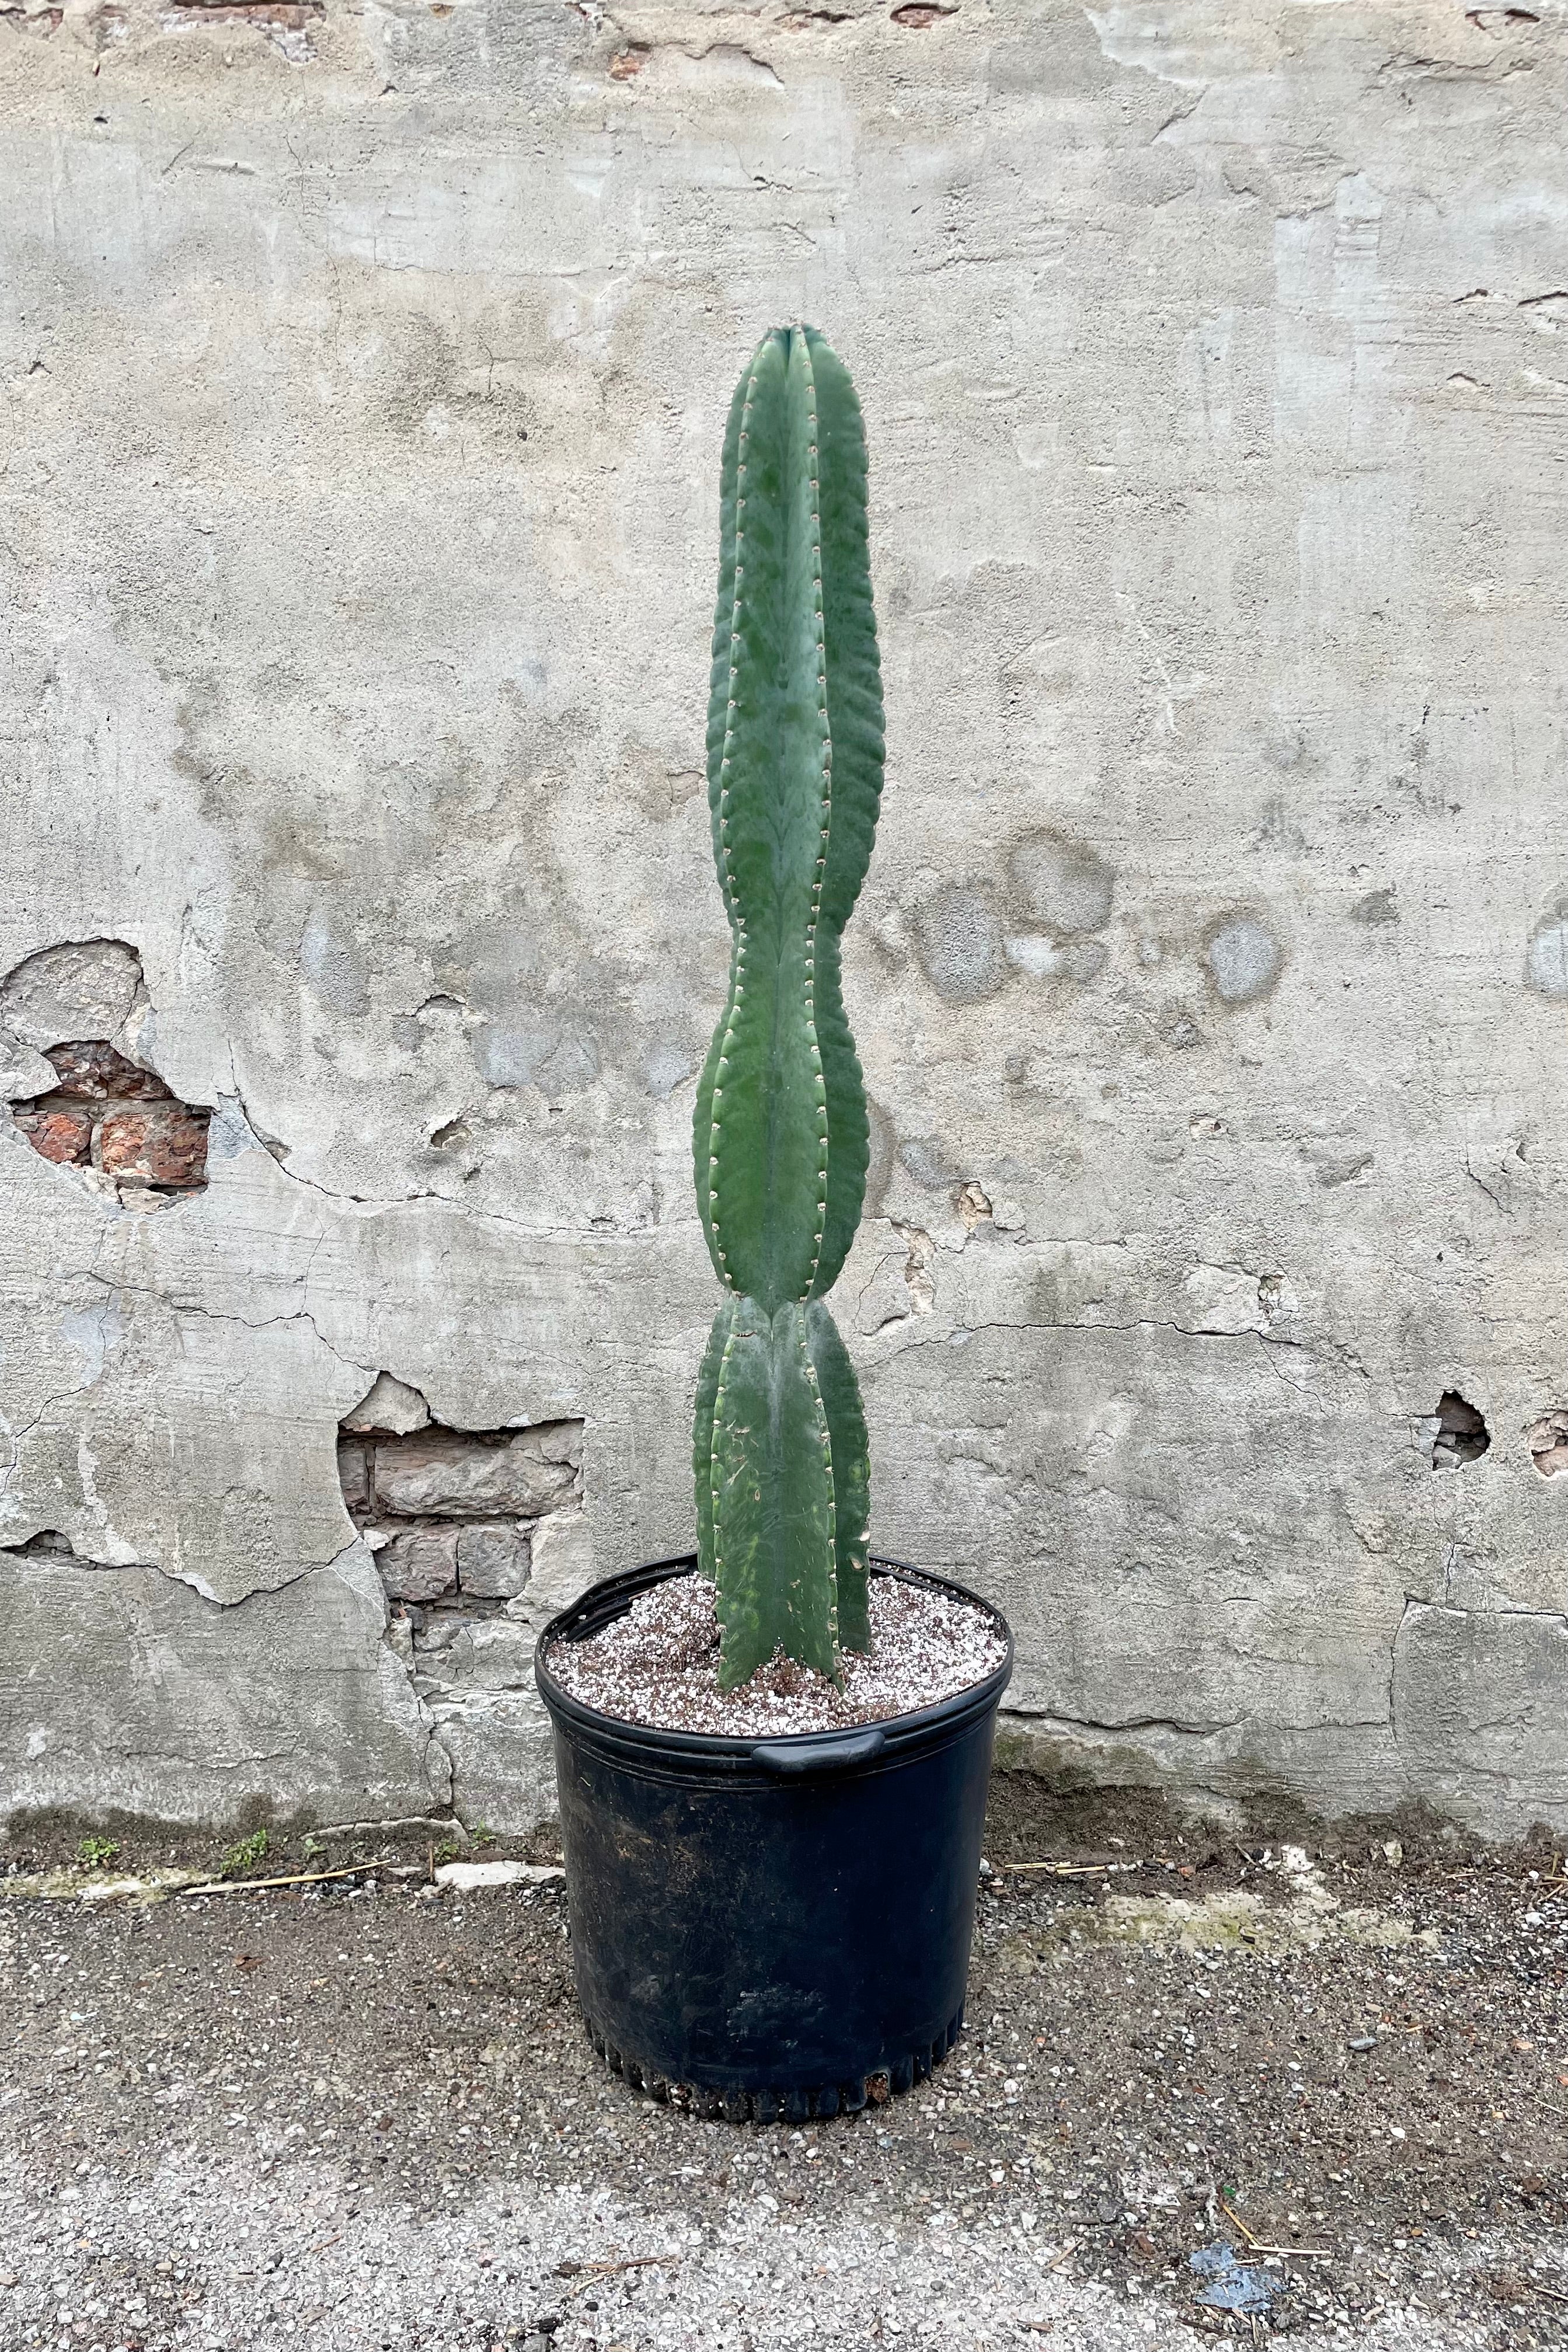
<point>91,1071</point>
<point>164,1146</point>
<point>62,1135</point>
<point>627,63</point>
<point>108,1113</point>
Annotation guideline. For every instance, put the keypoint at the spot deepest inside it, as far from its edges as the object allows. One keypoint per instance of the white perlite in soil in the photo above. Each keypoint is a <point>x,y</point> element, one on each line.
<point>659,1665</point>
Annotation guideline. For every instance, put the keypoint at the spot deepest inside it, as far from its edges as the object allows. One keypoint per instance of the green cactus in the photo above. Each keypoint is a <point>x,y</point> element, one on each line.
<point>780,1135</point>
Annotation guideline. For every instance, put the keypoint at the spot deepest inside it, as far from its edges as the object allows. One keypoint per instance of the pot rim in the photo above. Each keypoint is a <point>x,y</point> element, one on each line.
<point>944,1715</point>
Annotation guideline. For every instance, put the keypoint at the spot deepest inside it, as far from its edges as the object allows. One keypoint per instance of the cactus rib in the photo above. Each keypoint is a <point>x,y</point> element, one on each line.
<point>780,1135</point>
<point>772,1500</point>
<point>767,1196</point>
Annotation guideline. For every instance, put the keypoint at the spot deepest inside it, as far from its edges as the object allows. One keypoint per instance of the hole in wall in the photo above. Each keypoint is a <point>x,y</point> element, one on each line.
<point>47,1544</point>
<point>972,1204</point>
<point>1462,1433</point>
<point>71,1016</point>
<point>453,1516</point>
<point>1548,1441</point>
<point>108,1116</point>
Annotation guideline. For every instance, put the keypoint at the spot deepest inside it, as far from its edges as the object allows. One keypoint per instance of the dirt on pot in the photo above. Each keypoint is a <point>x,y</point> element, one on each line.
<point>659,1665</point>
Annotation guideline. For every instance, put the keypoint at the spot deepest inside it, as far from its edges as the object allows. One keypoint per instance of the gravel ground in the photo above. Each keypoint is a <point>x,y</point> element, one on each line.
<point>365,2114</point>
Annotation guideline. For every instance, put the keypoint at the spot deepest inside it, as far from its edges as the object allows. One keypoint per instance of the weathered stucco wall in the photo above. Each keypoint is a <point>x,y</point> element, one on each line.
<point>364,369</point>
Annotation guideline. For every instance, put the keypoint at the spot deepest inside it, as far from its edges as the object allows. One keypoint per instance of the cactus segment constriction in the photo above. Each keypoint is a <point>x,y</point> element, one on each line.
<point>779,1134</point>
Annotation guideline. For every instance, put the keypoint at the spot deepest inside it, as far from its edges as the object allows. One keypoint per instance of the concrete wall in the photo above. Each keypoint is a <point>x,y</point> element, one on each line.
<point>364,372</point>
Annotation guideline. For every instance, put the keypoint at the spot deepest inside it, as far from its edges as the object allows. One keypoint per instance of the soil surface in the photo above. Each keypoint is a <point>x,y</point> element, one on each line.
<point>364,2113</point>
<point>659,1665</point>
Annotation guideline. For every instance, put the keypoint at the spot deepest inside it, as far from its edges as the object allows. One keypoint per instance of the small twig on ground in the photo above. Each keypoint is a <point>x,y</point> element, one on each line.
<point>1072,1869</point>
<point>1240,2225</point>
<point>1256,2246</point>
<point>1554,2295</point>
<point>294,1878</point>
<point>586,2273</point>
<point>1070,2248</point>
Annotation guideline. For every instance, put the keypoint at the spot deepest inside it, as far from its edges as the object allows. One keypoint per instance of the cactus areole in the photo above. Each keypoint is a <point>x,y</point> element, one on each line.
<point>780,1136</point>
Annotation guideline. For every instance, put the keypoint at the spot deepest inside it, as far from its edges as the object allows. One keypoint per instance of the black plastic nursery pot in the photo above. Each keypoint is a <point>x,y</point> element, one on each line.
<point>771,1928</point>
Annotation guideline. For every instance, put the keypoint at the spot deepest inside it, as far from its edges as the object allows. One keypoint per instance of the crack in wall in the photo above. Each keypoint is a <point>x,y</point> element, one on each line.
<point>49,1551</point>
<point>1137,1323</point>
<point>116,1286</point>
<point>51,1545</point>
<point>376,1206</point>
<point>1053,1718</point>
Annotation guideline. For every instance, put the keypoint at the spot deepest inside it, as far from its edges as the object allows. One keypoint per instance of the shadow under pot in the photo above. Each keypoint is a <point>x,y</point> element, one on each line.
<point>771,1929</point>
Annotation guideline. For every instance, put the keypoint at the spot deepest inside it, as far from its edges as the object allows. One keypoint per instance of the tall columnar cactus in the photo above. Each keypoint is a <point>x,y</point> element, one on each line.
<point>795,781</point>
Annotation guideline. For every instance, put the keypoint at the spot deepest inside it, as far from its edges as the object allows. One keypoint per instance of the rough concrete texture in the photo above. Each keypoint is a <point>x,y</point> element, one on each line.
<point>365,373</point>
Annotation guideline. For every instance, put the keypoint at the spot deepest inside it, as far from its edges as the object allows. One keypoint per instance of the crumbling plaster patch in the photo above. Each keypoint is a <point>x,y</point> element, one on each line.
<point>119,1695</point>
<point>359,541</point>
<point>479,1538</point>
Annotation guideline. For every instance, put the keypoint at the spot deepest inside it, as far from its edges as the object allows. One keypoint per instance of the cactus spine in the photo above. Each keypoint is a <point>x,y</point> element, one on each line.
<point>780,1135</point>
